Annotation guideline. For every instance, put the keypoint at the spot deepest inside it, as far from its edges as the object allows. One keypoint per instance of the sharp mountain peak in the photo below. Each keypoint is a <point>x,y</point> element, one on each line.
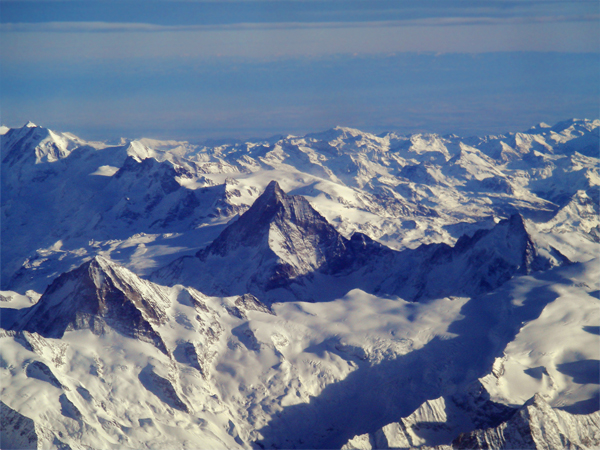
<point>96,295</point>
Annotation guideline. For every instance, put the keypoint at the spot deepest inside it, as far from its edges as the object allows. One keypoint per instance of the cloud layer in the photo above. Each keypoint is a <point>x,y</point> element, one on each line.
<point>254,67</point>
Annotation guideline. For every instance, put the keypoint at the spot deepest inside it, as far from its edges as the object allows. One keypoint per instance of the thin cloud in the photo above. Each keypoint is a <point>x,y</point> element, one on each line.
<point>79,43</point>
<point>125,27</point>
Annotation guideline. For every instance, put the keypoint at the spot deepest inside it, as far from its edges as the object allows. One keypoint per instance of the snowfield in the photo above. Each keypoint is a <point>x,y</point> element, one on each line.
<point>334,290</point>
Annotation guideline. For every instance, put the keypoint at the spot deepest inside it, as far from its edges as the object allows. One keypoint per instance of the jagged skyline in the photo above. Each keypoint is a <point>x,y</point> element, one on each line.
<point>333,290</point>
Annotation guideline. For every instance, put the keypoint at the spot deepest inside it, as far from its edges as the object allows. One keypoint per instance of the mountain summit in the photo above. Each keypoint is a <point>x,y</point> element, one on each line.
<point>34,144</point>
<point>281,238</point>
<point>97,295</point>
<point>283,249</point>
<point>235,355</point>
<point>287,226</point>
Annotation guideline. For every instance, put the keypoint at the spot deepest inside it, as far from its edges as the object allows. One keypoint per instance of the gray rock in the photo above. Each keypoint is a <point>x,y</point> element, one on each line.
<point>18,431</point>
<point>99,295</point>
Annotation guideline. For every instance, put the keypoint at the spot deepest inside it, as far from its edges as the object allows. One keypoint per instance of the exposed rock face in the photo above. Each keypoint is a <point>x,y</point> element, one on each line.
<point>163,387</point>
<point>537,426</point>
<point>282,242</point>
<point>225,372</point>
<point>200,349</point>
<point>35,144</point>
<point>39,370</point>
<point>437,422</point>
<point>68,409</point>
<point>200,354</point>
<point>18,431</point>
<point>97,295</point>
<point>475,265</point>
<point>249,302</point>
<point>295,238</point>
<point>147,195</point>
<point>58,187</point>
<point>581,212</point>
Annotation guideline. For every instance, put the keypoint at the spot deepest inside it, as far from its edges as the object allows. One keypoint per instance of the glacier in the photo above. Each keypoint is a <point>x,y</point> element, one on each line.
<point>335,290</point>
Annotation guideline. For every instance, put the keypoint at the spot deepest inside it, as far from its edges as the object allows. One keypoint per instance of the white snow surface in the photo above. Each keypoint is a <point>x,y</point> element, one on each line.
<point>554,357</point>
<point>400,190</point>
<point>306,375</point>
<point>363,370</point>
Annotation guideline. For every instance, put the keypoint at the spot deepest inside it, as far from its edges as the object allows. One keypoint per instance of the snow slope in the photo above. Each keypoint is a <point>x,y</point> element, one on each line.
<point>308,375</point>
<point>553,357</point>
<point>282,248</point>
<point>319,291</point>
<point>402,191</point>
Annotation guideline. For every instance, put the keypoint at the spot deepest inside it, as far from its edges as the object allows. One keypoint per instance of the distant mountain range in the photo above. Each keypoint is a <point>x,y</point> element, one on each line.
<point>334,290</point>
<point>283,249</point>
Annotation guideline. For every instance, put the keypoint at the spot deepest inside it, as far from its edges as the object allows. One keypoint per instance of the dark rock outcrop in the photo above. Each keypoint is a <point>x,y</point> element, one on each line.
<point>282,249</point>
<point>97,295</point>
<point>18,431</point>
<point>537,426</point>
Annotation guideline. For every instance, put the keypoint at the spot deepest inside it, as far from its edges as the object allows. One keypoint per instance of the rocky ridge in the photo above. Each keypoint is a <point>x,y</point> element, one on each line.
<point>536,425</point>
<point>415,253</point>
<point>97,295</point>
<point>283,243</point>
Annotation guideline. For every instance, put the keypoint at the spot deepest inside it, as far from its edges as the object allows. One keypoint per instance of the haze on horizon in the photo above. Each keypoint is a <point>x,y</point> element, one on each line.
<point>201,69</point>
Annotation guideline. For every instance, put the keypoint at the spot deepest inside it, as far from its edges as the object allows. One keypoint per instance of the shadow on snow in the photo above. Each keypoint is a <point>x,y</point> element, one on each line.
<point>373,396</point>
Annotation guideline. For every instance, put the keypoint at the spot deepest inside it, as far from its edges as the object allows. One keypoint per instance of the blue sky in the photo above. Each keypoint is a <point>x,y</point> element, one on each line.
<point>195,70</point>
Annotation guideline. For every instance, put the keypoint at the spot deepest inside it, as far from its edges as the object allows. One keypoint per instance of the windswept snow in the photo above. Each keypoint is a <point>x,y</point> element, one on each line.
<point>338,289</point>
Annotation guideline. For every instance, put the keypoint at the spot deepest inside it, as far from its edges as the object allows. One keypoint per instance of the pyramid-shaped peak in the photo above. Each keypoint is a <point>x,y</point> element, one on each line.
<point>30,124</point>
<point>98,295</point>
<point>273,185</point>
<point>296,223</point>
<point>274,205</point>
<point>98,264</point>
<point>273,190</point>
<point>100,260</point>
<point>536,400</point>
<point>269,202</point>
<point>138,151</point>
<point>513,227</point>
<point>516,220</point>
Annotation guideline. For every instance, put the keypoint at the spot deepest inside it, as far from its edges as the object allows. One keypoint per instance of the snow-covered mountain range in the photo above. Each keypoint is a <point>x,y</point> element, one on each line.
<point>333,290</point>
